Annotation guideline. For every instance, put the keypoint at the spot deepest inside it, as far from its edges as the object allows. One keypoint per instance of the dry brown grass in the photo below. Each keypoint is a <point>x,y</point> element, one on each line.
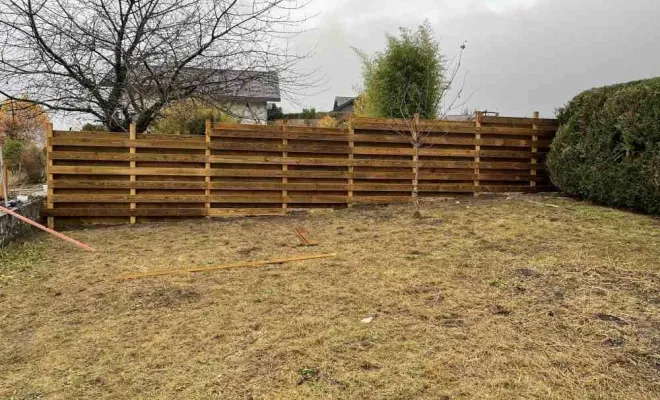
<point>487,299</point>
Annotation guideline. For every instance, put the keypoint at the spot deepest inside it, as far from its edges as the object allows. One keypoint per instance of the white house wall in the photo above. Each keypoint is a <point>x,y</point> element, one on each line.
<point>249,112</point>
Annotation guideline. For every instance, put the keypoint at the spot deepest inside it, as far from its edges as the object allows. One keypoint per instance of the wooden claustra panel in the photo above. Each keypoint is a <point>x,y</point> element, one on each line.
<point>268,170</point>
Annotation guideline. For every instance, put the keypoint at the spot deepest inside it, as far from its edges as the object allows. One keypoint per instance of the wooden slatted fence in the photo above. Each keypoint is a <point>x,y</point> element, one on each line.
<point>267,170</point>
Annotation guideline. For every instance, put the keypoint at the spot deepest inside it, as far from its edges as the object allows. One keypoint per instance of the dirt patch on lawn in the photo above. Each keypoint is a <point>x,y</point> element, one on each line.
<point>488,299</point>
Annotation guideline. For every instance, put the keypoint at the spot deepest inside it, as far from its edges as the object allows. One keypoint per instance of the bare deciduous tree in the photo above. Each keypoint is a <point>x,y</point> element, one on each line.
<point>125,60</point>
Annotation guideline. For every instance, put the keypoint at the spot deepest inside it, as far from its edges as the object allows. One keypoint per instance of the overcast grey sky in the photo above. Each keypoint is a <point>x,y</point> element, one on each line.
<point>522,55</point>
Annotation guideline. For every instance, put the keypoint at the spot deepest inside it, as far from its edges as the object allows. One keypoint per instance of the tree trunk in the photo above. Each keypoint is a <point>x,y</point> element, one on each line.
<point>416,142</point>
<point>415,188</point>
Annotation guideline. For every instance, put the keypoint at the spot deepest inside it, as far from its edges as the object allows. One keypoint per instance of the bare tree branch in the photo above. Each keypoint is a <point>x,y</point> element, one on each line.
<point>125,60</point>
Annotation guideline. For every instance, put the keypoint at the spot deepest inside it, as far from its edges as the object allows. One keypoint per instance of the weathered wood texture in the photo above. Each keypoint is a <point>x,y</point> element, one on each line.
<point>4,181</point>
<point>268,170</point>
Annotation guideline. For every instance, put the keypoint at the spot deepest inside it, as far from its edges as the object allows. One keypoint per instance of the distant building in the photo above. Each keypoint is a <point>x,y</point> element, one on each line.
<point>344,105</point>
<point>244,95</point>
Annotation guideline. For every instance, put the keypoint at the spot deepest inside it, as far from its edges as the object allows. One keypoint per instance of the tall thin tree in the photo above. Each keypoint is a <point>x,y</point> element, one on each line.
<point>408,84</point>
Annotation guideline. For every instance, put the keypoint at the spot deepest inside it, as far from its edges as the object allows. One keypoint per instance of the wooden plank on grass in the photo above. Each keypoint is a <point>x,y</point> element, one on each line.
<point>304,237</point>
<point>246,264</point>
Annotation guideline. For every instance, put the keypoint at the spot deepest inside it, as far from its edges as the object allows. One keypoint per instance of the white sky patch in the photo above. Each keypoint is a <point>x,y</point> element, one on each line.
<point>502,6</point>
<point>367,11</point>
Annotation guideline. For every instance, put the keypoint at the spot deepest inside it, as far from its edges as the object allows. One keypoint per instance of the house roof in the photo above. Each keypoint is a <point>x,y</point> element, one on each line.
<point>342,101</point>
<point>220,84</point>
<point>244,85</point>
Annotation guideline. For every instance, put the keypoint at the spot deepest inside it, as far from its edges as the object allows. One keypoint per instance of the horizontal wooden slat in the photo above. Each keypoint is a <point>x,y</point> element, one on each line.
<point>319,174</point>
<point>245,212</point>
<point>509,177</point>
<point>309,187</point>
<point>180,185</point>
<point>311,161</point>
<point>147,144</point>
<point>505,154</point>
<point>200,158</point>
<point>99,135</point>
<point>103,184</point>
<point>404,151</point>
<point>510,189</point>
<point>125,198</point>
<point>275,147</point>
<point>104,156</point>
<point>381,199</point>
<point>124,212</point>
<point>520,121</point>
<point>409,175</point>
<point>511,165</point>
<point>244,127</point>
<point>514,143</point>
<point>335,137</point>
<point>457,127</point>
<point>302,187</point>
<point>423,187</point>
<point>405,140</point>
<point>140,198</point>
<point>140,171</point>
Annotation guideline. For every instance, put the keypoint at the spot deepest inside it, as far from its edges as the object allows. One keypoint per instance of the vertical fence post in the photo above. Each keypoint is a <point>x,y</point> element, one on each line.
<point>535,138</point>
<point>351,147</point>
<point>50,222</point>
<point>477,153</point>
<point>4,181</point>
<point>285,166</point>
<point>133,192</point>
<point>207,168</point>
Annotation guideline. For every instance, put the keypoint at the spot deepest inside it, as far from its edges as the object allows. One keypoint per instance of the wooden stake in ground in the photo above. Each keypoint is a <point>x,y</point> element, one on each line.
<point>4,178</point>
<point>245,264</point>
<point>43,228</point>
<point>303,235</point>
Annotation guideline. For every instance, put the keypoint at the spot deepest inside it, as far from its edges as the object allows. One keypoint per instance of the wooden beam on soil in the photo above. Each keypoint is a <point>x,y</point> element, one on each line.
<point>43,228</point>
<point>245,264</point>
<point>303,235</point>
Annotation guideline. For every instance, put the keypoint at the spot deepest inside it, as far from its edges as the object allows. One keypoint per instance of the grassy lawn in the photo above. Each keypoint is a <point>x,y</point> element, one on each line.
<point>486,299</point>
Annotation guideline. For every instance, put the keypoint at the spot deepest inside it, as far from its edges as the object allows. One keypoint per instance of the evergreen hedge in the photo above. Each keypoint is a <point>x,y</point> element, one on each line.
<point>608,146</point>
